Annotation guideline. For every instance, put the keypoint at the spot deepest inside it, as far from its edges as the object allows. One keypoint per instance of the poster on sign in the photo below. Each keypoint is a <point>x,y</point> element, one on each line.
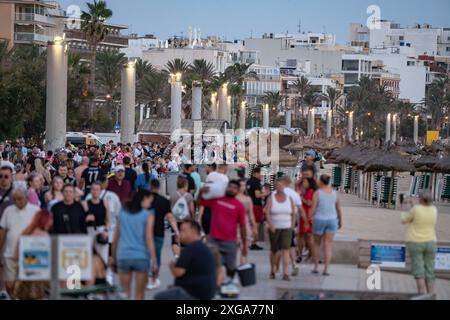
<point>75,257</point>
<point>34,258</point>
<point>388,255</point>
<point>442,261</point>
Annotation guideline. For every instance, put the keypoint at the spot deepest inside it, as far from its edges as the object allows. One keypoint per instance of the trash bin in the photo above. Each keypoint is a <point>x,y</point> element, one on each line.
<point>247,274</point>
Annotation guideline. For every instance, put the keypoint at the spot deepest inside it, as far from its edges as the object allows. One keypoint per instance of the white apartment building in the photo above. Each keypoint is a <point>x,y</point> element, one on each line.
<point>413,74</point>
<point>268,81</point>
<point>424,39</point>
<point>137,45</point>
<point>277,51</point>
<point>354,67</point>
<point>160,56</point>
<point>305,39</point>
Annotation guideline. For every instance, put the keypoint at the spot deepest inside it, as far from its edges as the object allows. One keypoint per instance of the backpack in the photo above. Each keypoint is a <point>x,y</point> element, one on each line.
<point>181,209</point>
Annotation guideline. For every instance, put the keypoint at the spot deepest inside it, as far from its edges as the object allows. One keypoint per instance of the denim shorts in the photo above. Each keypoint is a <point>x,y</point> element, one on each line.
<point>320,227</point>
<point>133,265</point>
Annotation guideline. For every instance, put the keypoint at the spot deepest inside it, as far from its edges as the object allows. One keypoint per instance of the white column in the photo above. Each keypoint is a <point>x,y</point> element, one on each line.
<point>147,116</point>
<point>266,116</point>
<point>223,103</point>
<point>350,126</point>
<point>329,120</point>
<point>416,129</point>
<point>388,127</point>
<point>141,113</point>
<point>288,119</point>
<point>197,101</point>
<point>229,110</point>
<point>175,101</point>
<point>311,118</point>
<point>128,98</point>
<point>214,111</point>
<point>394,128</point>
<point>242,116</point>
<point>56,105</point>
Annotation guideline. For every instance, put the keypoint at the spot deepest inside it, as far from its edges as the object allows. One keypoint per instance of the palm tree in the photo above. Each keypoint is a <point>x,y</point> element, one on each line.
<point>143,68</point>
<point>177,66</point>
<point>332,96</point>
<point>202,71</point>
<point>152,87</point>
<point>108,72</point>
<point>236,75</point>
<point>93,26</point>
<point>301,86</point>
<point>274,100</point>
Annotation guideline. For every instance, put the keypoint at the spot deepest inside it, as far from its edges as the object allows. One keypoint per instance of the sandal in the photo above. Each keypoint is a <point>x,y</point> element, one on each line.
<point>272,276</point>
<point>325,274</point>
<point>315,272</point>
<point>286,278</point>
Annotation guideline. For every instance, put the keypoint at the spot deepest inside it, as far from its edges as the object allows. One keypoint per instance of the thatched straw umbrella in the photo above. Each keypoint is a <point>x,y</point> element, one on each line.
<point>287,160</point>
<point>390,161</point>
<point>443,165</point>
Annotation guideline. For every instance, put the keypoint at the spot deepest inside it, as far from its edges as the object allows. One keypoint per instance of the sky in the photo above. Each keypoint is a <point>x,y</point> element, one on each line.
<point>240,19</point>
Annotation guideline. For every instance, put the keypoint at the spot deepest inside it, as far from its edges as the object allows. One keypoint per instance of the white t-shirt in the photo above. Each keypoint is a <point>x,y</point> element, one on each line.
<point>294,196</point>
<point>217,183</point>
<point>15,221</point>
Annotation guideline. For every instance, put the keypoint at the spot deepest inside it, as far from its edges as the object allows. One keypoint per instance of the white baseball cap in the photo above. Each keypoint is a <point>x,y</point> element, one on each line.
<point>119,168</point>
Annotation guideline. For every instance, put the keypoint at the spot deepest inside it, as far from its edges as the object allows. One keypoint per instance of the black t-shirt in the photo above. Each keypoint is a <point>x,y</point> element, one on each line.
<point>91,175</point>
<point>200,277</point>
<point>191,181</point>
<point>131,175</point>
<point>69,219</point>
<point>161,206</point>
<point>31,161</point>
<point>253,185</point>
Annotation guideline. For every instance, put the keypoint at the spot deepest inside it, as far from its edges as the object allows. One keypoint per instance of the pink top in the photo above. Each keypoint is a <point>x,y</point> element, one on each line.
<point>33,197</point>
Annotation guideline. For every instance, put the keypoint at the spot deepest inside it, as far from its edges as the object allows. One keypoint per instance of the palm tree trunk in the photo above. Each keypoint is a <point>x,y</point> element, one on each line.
<point>92,82</point>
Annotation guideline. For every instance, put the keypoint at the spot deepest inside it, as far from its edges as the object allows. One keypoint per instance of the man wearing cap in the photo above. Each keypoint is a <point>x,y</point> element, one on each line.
<point>119,185</point>
<point>308,163</point>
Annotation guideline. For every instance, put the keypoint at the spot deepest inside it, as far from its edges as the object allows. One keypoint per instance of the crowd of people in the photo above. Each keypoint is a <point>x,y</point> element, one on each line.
<point>113,194</point>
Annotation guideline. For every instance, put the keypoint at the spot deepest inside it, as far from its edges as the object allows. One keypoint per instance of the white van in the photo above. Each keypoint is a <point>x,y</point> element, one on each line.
<point>83,138</point>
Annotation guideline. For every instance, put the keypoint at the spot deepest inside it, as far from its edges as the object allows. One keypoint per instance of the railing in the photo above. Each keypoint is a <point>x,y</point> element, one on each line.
<point>30,37</point>
<point>34,17</point>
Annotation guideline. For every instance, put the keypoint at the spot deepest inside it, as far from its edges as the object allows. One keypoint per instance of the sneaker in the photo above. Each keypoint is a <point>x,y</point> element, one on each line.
<point>295,271</point>
<point>153,284</point>
<point>299,259</point>
<point>286,278</point>
<point>255,247</point>
<point>229,291</point>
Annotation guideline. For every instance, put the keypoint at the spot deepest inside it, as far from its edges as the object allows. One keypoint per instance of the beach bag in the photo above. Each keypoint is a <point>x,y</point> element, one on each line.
<point>181,209</point>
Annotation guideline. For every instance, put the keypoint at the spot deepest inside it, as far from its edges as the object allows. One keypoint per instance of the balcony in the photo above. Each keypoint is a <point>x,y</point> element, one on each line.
<point>110,41</point>
<point>34,18</point>
<point>28,37</point>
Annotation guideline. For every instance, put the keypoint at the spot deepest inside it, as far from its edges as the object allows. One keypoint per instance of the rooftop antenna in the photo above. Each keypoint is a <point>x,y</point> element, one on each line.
<point>299,25</point>
<point>251,33</point>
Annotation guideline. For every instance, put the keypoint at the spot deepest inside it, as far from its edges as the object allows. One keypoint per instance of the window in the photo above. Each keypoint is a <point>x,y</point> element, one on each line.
<point>350,78</point>
<point>448,49</point>
<point>350,65</point>
<point>402,38</point>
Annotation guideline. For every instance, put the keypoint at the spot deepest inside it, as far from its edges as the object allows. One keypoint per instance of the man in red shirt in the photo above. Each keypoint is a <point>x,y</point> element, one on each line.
<point>119,185</point>
<point>227,213</point>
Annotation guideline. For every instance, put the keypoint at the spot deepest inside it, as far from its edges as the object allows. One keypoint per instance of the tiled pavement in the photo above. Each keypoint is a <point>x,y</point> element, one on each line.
<point>361,220</point>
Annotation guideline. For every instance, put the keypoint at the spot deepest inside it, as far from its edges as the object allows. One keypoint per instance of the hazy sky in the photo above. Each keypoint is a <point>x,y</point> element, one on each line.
<point>238,19</point>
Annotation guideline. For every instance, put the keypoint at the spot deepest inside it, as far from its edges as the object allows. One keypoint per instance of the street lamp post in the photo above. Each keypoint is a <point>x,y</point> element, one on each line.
<point>176,92</point>
<point>388,127</point>
<point>128,96</point>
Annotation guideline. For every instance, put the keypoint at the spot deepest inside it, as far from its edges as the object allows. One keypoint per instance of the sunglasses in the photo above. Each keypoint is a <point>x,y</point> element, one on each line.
<point>5,176</point>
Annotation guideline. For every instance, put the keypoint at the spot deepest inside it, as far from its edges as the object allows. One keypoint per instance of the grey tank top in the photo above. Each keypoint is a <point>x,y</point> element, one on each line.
<point>326,206</point>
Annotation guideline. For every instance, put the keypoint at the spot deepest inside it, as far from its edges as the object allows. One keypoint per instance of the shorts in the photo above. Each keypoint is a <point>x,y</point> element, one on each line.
<point>228,252</point>
<point>422,256</point>
<point>133,265</point>
<point>206,220</point>
<point>293,240</point>
<point>10,269</point>
<point>173,235</point>
<point>258,211</point>
<point>320,227</point>
<point>280,239</point>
